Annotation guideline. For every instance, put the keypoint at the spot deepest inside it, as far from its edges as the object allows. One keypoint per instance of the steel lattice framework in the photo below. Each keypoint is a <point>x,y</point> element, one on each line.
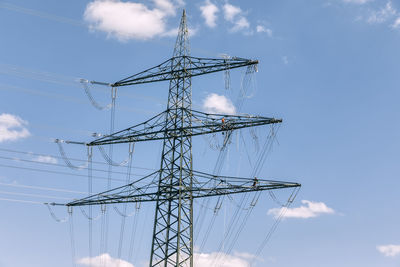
<point>174,186</point>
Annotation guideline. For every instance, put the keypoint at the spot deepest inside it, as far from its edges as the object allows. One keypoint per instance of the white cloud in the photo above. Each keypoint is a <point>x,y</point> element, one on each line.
<point>262,29</point>
<point>130,20</point>
<point>166,6</point>
<point>389,250</point>
<point>240,24</point>
<point>209,12</point>
<point>231,11</point>
<point>359,2</point>
<point>46,159</point>
<point>201,260</point>
<point>12,128</point>
<point>220,104</point>
<point>224,260</point>
<point>308,210</point>
<point>104,260</point>
<point>396,24</point>
<point>383,14</point>
<point>235,15</point>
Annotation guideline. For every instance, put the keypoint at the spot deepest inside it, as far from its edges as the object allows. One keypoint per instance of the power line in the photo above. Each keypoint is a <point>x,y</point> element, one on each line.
<point>69,98</point>
<point>57,172</point>
<point>21,201</point>
<point>61,165</point>
<point>42,188</point>
<point>41,14</point>
<point>74,159</point>
<point>33,195</point>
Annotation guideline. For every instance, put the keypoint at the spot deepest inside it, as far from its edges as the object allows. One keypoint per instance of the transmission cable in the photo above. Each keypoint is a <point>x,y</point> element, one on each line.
<point>60,165</point>
<point>57,172</point>
<point>133,233</point>
<point>54,216</point>
<point>105,220</point>
<point>237,217</point>
<point>281,215</point>
<point>21,201</point>
<point>42,188</point>
<point>85,85</point>
<point>222,154</point>
<point>71,234</point>
<point>108,159</point>
<point>74,159</point>
<point>90,188</point>
<point>88,216</point>
<point>65,158</point>
<point>33,195</point>
<point>123,219</point>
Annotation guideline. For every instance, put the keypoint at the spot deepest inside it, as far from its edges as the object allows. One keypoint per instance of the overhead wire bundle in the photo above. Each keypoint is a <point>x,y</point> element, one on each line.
<point>244,87</point>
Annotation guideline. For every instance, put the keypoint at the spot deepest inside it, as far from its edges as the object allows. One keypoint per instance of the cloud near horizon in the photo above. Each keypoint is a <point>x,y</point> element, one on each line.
<point>103,260</point>
<point>310,209</point>
<point>201,259</point>
<point>223,260</point>
<point>12,128</point>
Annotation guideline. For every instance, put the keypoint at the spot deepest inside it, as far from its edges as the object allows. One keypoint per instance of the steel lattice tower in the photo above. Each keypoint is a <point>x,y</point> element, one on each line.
<point>173,227</point>
<point>174,186</point>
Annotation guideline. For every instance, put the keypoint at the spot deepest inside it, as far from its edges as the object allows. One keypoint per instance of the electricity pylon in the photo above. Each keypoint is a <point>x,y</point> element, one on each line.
<point>174,186</point>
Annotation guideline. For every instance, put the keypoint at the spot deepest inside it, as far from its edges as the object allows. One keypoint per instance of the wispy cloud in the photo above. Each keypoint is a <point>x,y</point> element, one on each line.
<point>209,13</point>
<point>310,209</point>
<point>129,20</point>
<point>215,103</point>
<point>45,159</point>
<point>358,2</point>
<point>389,250</point>
<point>396,24</point>
<point>236,16</point>
<point>12,128</point>
<point>104,260</point>
<point>263,29</point>
<point>385,13</point>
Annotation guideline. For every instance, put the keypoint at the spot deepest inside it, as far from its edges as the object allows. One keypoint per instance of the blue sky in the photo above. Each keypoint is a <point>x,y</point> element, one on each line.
<point>329,69</point>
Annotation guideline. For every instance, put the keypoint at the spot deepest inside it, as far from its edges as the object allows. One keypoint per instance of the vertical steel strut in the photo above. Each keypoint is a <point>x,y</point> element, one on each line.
<point>172,243</point>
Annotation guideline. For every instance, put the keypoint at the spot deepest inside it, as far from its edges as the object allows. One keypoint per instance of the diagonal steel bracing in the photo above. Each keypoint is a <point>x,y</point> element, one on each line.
<point>174,186</point>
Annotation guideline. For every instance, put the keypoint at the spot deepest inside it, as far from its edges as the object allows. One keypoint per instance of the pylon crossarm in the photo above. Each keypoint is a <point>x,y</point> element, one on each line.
<point>208,185</point>
<point>144,131</point>
<point>173,68</point>
<point>202,123</point>
<point>141,190</point>
<point>204,185</point>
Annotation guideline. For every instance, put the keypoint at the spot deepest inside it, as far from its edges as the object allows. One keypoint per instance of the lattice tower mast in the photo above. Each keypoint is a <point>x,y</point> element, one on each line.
<point>178,184</point>
<point>173,224</point>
